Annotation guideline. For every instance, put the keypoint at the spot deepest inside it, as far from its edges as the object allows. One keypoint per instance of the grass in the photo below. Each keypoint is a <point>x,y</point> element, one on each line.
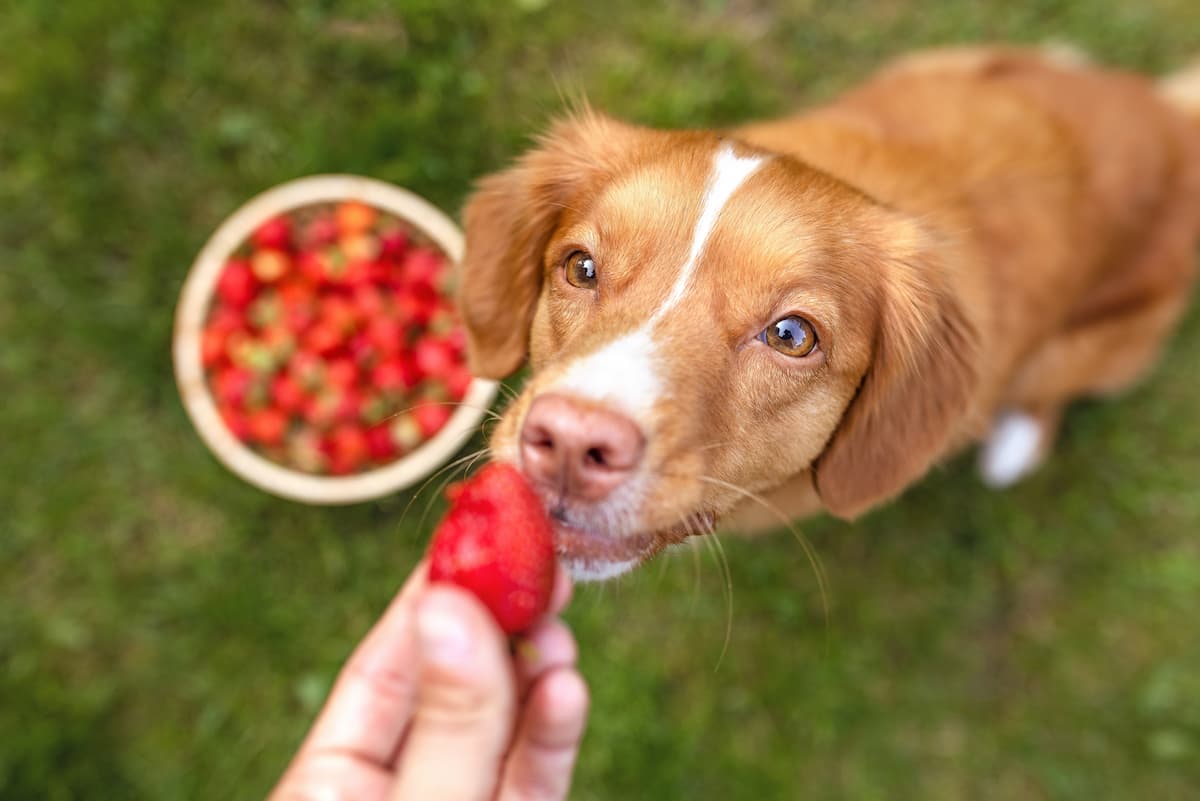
<point>167,632</point>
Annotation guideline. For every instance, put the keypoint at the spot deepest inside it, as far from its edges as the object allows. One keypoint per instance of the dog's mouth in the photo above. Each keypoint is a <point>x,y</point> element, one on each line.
<point>592,555</point>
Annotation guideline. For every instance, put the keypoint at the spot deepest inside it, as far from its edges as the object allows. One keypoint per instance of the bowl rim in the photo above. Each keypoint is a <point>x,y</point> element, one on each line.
<point>193,306</point>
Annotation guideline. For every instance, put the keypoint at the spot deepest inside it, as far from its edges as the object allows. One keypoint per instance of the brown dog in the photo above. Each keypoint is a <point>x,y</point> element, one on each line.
<point>819,308</point>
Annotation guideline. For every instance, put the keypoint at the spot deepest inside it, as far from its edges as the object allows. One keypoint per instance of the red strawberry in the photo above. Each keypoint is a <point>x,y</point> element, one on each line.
<point>386,333</point>
<point>348,448</point>
<point>380,443</point>
<point>286,393</point>
<point>435,357</point>
<point>342,372</point>
<point>274,234</point>
<point>354,217</point>
<point>351,405</point>
<point>458,381</point>
<point>423,266</point>
<point>431,417</point>
<point>321,231</point>
<point>363,351</point>
<point>393,244</point>
<point>369,301</point>
<point>235,420</point>
<point>212,346</point>
<point>323,337</point>
<point>339,311</point>
<point>267,426</point>
<point>394,375</point>
<point>270,265</point>
<point>236,285</point>
<point>231,386</point>
<point>497,542</point>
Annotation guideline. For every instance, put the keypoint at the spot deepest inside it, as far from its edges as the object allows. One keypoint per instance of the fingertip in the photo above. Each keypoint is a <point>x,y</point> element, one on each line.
<point>563,700</point>
<point>453,628</point>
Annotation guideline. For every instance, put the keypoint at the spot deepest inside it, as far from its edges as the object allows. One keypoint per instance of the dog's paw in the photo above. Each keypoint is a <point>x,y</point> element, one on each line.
<point>1013,450</point>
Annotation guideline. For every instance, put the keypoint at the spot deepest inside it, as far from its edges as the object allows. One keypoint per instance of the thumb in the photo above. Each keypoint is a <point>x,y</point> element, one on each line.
<point>465,702</point>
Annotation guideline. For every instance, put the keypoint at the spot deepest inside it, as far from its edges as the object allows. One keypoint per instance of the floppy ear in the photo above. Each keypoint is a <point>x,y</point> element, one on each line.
<point>509,220</point>
<point>911,403</point>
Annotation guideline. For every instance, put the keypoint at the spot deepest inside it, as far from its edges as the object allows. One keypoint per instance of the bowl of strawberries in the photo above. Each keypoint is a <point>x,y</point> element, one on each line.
<point>317,347</point>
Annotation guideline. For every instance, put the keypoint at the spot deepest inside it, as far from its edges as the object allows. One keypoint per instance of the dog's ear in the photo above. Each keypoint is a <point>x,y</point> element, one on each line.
<point>917,389</point>
<point>509,220</point>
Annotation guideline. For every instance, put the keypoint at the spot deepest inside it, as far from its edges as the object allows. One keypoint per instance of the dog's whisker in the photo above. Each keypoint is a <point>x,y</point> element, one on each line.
<point>467,457</point>
<point>471,461</point>
<point>810,553</point>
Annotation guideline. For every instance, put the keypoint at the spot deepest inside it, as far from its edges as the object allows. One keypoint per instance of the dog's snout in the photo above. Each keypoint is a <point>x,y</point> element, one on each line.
<point>583,451</point>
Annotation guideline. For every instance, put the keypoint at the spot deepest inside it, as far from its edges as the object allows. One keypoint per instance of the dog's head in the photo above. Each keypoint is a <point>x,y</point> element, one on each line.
<point>703,320</point>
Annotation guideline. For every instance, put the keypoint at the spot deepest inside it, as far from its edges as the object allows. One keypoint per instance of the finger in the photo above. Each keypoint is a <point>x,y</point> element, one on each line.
<point>371,702</point>
<point>330,774</point>
<point>547,742</point>
<point>560,596</point>
<point>465,705</point>
<point>547,645</point>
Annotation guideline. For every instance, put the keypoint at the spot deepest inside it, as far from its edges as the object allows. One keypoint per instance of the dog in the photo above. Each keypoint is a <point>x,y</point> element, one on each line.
<point>815,310</point>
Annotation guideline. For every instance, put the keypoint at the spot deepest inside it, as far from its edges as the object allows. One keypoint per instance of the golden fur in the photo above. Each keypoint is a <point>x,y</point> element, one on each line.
<point>971,231</point>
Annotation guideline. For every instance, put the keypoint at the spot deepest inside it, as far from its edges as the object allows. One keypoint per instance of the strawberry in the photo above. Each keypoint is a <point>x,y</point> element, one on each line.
<point>274,234</point>
<point>380,443</point>
<point>386,334</point>
<point>354,217</point>
<point>236,286</point>
<point>235,420</point>
<point>431,417</point>
<point>341,372</point>
<point>423,266</point>
<point>232,386</point>
<point>497,542</point>
<point>286,393</point>
<point>270,265</point>
<point>319,232</point>
<point>435,357</point>
<point>212,346</point>
<point>359,247</point>
<point>304,451</point>
<point>394,375</point>
<point>322,337</point>
<point>370,303</point>
<point>458,381</point>
<point>321,410</point>
<point>347,447</point>
<point>308,370</point>
<point>393,244</point>
<point>405,431</point>
<point>267,426</point>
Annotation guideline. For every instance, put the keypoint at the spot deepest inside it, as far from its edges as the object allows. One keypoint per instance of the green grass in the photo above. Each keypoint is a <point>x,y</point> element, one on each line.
<point>167,632</point>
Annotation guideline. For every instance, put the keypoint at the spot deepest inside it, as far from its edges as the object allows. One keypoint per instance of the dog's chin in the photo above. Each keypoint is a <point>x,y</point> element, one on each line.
<point>598,556</point>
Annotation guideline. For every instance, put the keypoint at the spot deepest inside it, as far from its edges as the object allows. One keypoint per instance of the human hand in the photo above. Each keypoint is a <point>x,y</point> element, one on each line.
<point>433,707</point>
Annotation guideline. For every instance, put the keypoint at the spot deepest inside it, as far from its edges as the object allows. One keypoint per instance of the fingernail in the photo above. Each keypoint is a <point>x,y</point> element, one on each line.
<point>445,637</point>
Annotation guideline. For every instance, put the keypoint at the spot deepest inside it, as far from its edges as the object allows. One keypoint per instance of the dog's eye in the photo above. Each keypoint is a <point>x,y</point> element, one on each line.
<point>791,336</point>
<point>580,270</point>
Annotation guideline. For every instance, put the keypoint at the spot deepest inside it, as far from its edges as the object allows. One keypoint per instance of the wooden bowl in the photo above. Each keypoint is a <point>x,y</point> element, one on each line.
<point>193,308</point>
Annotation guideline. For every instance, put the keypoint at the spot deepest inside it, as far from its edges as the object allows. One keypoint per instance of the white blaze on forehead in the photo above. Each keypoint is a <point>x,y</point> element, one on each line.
<point>620,373</point>
<point>625,372</point>
<point>729,172</point>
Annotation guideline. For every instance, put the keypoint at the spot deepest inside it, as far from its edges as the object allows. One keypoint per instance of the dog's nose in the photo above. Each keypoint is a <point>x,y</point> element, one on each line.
<point>580,450</point>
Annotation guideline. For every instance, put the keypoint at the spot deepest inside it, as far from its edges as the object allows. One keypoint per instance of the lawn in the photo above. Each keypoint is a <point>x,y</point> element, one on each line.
<point>167,632</point>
